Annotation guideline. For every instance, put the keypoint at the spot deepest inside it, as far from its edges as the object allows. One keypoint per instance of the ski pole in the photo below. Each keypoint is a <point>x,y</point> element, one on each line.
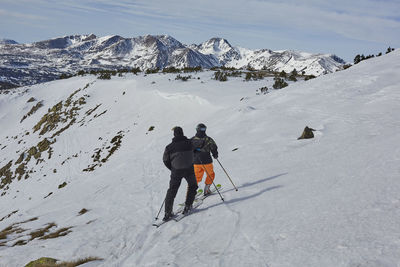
<point>160,209</point>
<point>212,181</point>
<point>227,174</point>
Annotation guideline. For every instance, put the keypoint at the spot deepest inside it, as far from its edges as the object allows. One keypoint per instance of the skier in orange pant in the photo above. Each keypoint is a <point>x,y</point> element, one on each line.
<point>203,146</point>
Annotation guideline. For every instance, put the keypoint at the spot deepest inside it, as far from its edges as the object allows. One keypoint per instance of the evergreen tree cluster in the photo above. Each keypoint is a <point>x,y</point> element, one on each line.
<point>309,77</point>
<point>105,76</point>
<point>171,70</point>
<point>280,78</point>
<point>220,76</point>
<point>185,69</point>
<point>389,50</point>
<point>252,75</point>
<point>192,69</point>
<point>152,71</point>
<point>103,73</point>
<point>358,58</point>
<point>223,68</point>
<point>65,76</point>
<point>292,76</point>
<point>183,78</point>
<point>279,83</point>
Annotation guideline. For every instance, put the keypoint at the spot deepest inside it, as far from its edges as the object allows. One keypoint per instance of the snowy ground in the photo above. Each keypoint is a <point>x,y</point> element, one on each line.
<point>329,201</point>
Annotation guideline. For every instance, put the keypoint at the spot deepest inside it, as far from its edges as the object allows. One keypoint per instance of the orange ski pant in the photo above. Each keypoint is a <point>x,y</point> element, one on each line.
<point>199,170</point>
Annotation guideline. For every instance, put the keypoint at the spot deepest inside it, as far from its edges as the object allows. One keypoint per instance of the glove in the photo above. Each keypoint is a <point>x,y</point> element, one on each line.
<point>197,149</point>
<point>215,156</point>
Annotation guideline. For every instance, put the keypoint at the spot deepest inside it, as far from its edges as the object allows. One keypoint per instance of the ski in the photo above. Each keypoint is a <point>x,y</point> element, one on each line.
<point>198,194</point>
<point>196,203</point>
<point>161,222</point>
<point>178,211</point>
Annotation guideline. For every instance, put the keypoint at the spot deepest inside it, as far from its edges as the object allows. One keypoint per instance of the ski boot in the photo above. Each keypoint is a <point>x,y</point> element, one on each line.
<point>187,209</point>
<point>168,216</point>
<point>207,190</point>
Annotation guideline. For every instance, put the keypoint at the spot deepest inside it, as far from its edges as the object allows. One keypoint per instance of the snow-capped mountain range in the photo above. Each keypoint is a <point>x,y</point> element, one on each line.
<point>25,64</point>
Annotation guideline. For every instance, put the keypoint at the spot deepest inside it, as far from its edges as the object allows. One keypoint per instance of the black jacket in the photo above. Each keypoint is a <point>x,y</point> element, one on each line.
<point>203,145</point>
<point>178,155</point>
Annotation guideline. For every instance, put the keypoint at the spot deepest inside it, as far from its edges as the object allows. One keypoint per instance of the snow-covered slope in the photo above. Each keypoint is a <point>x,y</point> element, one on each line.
<point>26,64</point>
<point>99,178</point>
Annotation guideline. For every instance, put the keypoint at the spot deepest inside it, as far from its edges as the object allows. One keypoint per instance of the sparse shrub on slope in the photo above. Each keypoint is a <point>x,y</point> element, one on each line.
<point>115,143</point>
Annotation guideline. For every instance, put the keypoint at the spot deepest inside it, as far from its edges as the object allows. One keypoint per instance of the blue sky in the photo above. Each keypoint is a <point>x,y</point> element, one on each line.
<point>341,27</point>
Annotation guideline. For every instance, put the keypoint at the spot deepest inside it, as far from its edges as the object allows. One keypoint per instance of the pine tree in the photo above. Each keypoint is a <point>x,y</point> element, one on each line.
<point>293,75</point>
<point>357,59</point>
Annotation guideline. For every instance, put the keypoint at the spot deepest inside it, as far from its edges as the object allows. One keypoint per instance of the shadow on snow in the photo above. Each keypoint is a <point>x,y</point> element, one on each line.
<point>249,196</point>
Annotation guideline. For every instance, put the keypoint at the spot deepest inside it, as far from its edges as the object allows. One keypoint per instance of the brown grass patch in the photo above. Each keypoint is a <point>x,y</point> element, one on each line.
<point>9,215</point>
<point>83,211</point>
<point>49,262</point>
<point>59,233</point>
<point>32,111</point>
<point>41,232</point>
<point>12,229</point>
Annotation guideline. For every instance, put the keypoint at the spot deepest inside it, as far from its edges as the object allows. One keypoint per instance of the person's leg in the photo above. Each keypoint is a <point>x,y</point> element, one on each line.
<point>192,188</point>
<point>199,172</point>
<point>174,184</point>
<point>209,179</point>
<point>210,173</point>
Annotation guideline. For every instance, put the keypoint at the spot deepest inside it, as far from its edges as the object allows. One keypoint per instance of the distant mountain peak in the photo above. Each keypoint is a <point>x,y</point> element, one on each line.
<point>215,45</point>
<point>7,41</point>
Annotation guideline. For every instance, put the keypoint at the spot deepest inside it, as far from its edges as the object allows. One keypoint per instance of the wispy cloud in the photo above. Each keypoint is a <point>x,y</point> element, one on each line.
<point>363,20</point>
<point>23,16</point>
<point>268,22</point>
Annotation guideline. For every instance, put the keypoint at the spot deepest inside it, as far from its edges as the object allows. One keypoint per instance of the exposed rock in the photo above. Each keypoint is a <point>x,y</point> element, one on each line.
<point>307,133</point>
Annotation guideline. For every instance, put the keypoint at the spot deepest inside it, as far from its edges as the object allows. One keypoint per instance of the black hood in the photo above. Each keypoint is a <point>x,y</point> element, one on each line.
<point>179,138</point>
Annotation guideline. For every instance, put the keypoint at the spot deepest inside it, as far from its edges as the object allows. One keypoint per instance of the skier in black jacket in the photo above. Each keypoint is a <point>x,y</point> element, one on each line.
<point>178,157</point>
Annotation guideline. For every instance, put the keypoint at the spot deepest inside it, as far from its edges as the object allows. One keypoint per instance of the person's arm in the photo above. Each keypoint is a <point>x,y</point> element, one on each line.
<point>213,148</point>
<point>167,159</point>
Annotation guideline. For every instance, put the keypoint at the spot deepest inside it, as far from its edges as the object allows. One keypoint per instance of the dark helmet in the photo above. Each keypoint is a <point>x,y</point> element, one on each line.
<point>201,127</point>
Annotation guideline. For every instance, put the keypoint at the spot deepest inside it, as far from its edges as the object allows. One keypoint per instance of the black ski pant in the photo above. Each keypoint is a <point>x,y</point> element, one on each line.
<point>175,182</point>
